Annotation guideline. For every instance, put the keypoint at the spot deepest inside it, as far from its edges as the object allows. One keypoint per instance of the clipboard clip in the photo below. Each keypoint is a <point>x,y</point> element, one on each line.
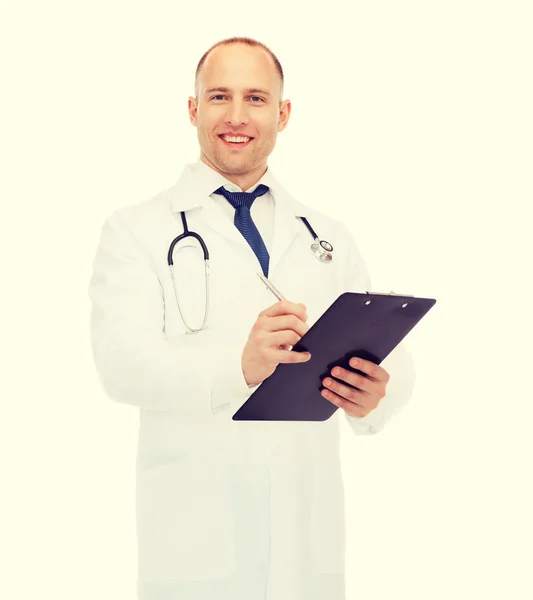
<point>390,294</point>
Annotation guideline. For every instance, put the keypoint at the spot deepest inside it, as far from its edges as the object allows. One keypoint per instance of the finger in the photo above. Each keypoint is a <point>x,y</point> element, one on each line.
<point>280,347</point>
<point>375,372</point>
<point>284,356</point>
<point>286,337</point>
<point>351,408</point>
<point>286,307</point>
<point>347,392</point>
<point>356,380</point>
<point>284,323</point>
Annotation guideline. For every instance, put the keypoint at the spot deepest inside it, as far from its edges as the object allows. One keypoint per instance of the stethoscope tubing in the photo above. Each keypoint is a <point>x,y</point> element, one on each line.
<point>320,248</point>
<point>327,247</point>
<point>186,233</point>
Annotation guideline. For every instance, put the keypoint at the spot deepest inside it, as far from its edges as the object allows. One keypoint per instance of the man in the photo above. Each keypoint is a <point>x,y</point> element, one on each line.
<point>231,510</point>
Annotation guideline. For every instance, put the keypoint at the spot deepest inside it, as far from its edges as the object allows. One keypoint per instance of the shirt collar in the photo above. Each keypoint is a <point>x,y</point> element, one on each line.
<point>210,180</point>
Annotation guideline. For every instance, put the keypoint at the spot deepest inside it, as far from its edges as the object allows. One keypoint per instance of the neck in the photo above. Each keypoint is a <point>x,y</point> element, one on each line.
<point>244,180</point>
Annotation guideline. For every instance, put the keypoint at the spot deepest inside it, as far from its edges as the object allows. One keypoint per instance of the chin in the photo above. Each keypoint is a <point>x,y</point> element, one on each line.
<point>235,167</point>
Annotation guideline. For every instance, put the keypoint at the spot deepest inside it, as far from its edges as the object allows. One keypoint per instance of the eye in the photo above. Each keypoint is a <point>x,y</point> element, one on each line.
<point>254,98</point>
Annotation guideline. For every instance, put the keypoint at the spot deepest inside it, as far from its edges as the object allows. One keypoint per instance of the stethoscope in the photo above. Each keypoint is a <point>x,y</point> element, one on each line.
<point>320,248</point>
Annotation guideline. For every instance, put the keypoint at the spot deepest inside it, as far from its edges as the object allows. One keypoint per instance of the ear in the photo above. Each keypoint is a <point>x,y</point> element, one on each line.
<point>193,110</point>
<point>284,114</point>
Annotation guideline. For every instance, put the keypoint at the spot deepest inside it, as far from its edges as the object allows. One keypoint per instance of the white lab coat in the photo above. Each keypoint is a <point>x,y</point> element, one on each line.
<point>225,510</point>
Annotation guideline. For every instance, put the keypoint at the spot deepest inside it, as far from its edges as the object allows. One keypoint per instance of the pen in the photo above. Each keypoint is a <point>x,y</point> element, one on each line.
<point>270,286</point>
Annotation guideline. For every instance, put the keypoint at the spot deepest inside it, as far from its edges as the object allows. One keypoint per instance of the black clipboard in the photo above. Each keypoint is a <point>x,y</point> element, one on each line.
<point>365,325</point>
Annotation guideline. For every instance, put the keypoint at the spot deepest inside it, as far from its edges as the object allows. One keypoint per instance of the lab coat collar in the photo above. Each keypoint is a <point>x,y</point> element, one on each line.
<point>198,181</point>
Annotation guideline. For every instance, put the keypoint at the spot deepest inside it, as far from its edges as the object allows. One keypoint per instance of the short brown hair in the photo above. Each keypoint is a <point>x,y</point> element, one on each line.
<point>240,40</point>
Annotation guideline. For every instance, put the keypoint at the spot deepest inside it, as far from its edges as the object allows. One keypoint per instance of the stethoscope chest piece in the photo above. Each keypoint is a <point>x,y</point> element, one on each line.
<point>322,250</point>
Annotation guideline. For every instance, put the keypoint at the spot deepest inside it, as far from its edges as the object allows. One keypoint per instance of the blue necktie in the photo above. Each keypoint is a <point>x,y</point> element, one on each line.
<point>242,202</point>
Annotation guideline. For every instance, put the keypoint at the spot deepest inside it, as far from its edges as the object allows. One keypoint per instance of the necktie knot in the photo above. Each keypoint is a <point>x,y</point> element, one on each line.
<point>238,199</point>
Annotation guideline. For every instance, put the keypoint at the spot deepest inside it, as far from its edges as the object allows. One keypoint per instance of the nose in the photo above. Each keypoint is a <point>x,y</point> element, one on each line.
<point>237,114</point>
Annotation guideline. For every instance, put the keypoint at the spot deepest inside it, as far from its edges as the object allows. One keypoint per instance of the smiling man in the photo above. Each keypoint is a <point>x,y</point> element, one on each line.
<point>238,110</point>
<point>232,510</point>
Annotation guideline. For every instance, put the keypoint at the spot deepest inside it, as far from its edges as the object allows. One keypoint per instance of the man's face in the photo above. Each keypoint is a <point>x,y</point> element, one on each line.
<point>248,105</point>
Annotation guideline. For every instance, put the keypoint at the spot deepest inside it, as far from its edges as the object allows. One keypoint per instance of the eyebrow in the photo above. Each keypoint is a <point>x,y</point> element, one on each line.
<point>248,91</point>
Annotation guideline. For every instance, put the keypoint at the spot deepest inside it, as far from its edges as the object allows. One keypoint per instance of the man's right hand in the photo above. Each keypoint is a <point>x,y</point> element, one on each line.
<point>276,330</point>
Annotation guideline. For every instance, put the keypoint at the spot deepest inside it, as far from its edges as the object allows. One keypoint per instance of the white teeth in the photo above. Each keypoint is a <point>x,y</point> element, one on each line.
<point>235,139</point>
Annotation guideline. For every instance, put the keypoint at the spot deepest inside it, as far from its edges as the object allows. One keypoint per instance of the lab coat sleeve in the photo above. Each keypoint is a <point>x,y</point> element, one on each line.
<point>135,362</point>
<point>399,363</point>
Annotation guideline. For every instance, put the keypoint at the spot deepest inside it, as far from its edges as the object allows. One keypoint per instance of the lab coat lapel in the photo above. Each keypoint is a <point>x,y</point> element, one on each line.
<point>215,218</point>
<point>187,194</point>
<point>286,227</point>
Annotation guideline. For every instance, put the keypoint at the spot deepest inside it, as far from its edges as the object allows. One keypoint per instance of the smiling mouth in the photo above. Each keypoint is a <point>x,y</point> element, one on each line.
<point>236,141</point>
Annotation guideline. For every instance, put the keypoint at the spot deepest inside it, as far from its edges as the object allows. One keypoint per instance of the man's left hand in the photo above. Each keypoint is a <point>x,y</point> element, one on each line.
<point>369,392</point>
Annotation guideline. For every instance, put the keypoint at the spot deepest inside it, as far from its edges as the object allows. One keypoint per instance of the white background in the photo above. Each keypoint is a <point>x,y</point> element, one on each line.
<point>412,122</point>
